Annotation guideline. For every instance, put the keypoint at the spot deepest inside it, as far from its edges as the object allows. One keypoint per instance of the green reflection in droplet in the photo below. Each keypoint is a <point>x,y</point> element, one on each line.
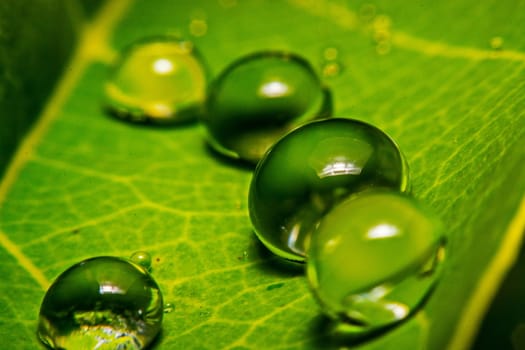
<point>260,97</point>
<point>313,168</point>
<point>101,303</point>
<point>374,258</point>
<point>159,79</point>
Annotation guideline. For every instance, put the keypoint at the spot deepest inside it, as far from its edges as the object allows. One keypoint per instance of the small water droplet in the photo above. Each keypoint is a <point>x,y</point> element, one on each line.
<point>331,69</point>
<point>274,286</point>
<point>383,48</point>
<point>160,79</point>
<point>382,35</point>
<point>168,307</point>
<point>228,3</point>
<point>198,27</point>
<point>101,303</point>
<point>375,226</point>
<point>382,22</point>
<point>367,12</point>
<point>259,98</point>
<point>244,256</point>
<point>310,170</point>
<point>496,43</point>
<point>330,53</point>
<point>141,258</point>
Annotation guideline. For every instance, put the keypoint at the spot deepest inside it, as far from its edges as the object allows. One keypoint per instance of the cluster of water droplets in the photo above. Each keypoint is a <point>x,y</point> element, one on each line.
<point>311,178</point>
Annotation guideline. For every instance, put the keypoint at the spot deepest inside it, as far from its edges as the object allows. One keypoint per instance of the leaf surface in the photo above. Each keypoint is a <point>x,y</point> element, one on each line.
<point>85,185</point>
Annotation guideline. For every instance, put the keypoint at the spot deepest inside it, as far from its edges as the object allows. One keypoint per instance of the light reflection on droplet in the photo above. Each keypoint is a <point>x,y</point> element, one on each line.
<point>398,310</point>
<point>163,66</point>
<point>382,231</point>
<point>274,89</point>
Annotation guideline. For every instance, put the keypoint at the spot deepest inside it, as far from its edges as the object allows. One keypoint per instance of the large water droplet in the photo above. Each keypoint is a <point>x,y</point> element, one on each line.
<point>260,97</point>
<point>313,168</point>
<point>374,258</point>
<point>101,303</point>
<point>159,80</point>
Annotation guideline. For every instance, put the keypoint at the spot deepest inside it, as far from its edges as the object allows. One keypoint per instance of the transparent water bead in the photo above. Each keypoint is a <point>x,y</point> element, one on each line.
<point>141,258</point>
<point>374,258</point>
<point>259,98</point>
<point>160,80</point>
<point>310,170</point>
<point>101,303</point>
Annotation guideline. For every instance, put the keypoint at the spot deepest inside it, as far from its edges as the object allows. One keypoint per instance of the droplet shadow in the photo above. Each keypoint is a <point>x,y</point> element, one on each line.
<point>239,164</point>
<point>271,264</point>
<point>331,335</point>
<point>141,121</point>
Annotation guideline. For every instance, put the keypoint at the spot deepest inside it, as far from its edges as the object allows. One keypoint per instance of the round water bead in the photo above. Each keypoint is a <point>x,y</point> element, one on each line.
<point>159,79</point>
<point>101,303</point>
<point>259,98</point>
<point>310,170</point>
<point>374,258</point>
<point>141,258</point>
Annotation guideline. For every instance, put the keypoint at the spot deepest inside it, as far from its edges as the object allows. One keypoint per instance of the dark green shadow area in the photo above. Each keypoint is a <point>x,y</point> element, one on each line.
<point>37,38</point>
<point>91,6</point>
<point>504,324</point>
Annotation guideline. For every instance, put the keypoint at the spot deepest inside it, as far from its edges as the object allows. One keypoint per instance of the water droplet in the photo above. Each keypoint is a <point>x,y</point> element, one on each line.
<point>228,3</point>
<point>244,256</point>
<point>168,307</point>
<point>101,303</point>
<point>198,27</point>
<point>331,69</point>
<point>383,48</point>
<point>330,53</point>
<point>382,22</point>
<point>496,43</point>
<point>141,258</point>
<point>159,80</point>
<point>397,248</point>
<point>367,12</point>
<point>259,98</point>
<point>382,35</point>
<point>313,168</point>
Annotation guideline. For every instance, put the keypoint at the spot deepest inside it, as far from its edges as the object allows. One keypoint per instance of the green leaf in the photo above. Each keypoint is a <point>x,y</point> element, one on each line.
<point>83,184</point>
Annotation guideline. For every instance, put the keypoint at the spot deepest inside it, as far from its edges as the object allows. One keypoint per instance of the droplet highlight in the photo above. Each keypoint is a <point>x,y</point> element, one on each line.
<point>160,80</point>
<point>101,303</point>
